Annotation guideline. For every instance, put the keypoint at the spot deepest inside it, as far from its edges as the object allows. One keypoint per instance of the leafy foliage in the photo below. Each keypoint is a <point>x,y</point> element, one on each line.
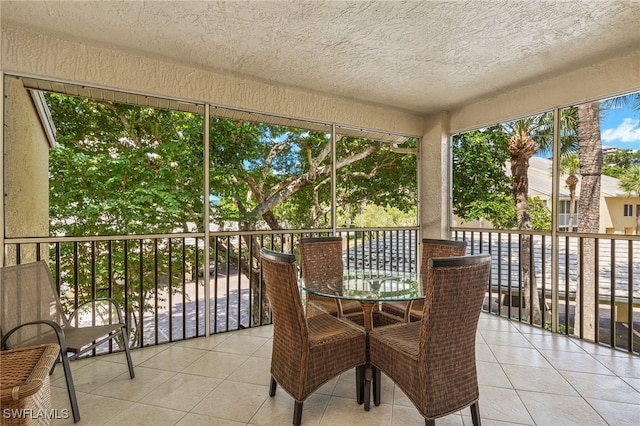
<point>120,169</point>
<point>372,215</point>
<point>630,180</point>
<point>616,163</point>
<point>503,213</point>
<point>481,187</point>
<point>132,170</point>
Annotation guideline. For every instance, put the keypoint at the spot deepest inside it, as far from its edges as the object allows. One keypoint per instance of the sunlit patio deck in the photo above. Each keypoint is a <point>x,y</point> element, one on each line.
<point>527,376</point>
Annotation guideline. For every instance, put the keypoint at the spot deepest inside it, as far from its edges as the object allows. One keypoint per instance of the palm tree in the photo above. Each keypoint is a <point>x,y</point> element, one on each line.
<point>522,147</point>
<point>570,164</point>
<point>590,152</point>
<point>630,183</point>
<point>630,179</point>
<point>591,161</point>
<point>528,137</point>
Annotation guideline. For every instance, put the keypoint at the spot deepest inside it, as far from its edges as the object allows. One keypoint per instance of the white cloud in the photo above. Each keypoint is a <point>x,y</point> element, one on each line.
<point>627,131</point>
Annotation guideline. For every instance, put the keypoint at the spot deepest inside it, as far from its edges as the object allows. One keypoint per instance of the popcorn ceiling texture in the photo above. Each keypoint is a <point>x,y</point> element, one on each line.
<point>420,56</point>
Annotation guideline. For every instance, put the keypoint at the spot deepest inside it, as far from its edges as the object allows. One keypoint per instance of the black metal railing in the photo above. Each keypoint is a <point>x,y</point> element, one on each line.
<point>596,291</point>
<point>162,281</point>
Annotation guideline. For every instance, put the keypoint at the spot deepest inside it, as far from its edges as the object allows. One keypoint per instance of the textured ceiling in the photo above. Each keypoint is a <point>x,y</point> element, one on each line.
<point>423,56</point>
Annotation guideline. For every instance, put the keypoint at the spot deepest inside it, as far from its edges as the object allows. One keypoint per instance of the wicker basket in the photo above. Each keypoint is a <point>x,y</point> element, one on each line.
<point>25,395</point>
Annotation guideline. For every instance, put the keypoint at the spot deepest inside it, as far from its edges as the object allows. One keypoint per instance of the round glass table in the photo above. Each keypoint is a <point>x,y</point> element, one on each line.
<point>370,288</point>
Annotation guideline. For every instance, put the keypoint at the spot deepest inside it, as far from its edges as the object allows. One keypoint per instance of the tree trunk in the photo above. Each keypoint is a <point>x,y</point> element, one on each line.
<point>590,153</point>
<point>572,182</point>
<point>521,148</point>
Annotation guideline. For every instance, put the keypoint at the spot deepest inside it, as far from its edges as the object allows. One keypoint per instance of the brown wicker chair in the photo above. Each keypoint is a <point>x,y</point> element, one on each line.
<point>430,248</point>
<point>321,259</point>
<point>307,352</point>
<point>433,360</point>
<point>31,313</point>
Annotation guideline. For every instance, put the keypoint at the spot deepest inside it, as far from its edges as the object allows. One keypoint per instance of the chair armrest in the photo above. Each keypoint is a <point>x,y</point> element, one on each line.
<point>112,301</point>
<point>54,325</point>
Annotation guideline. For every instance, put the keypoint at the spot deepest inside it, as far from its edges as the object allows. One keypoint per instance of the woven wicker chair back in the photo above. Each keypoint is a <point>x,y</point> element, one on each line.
<point>440,248</point>
<point>321,259</point>
<point>27,294</point>
<point>290,333</point>
<point>450,316</point>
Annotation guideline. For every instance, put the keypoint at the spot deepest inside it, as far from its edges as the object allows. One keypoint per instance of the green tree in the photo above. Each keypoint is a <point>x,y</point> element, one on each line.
<point>503,212</point>
<point>540,214</point>
<point>379,176</point>
<point>124,169</point>
<point>615,163</point>
<point>115,166</point>
<point>117,170</point>
<point>373,215</point>
<point>481,188</point>
<point>281,178</point>
<point>528,137</point>
<point>588,118</point>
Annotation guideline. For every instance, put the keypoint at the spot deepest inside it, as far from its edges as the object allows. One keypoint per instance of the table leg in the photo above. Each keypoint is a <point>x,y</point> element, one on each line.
<point>367,309</point>
<point>368,375</point>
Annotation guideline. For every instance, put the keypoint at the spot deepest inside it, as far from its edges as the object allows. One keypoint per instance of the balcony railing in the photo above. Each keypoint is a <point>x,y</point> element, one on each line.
<point>607,268</point>
<point>170,294</point>
<point>163,285</point>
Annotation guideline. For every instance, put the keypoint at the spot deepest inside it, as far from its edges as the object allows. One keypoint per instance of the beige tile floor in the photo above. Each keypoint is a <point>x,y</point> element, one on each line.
<point>527,376</point>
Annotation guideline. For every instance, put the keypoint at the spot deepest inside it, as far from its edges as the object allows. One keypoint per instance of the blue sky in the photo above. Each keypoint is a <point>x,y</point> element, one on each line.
<point>621,128</point>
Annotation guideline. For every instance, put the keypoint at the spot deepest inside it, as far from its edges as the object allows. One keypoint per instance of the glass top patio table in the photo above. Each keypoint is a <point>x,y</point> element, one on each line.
<point>369,287</point>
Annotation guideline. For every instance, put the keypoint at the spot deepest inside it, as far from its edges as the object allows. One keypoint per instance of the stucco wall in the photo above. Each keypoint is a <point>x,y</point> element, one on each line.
<point>34,54</point>
<point>614,214</point>
<point>26,171</point>
<point>616,76</point>
<point>435,178</point>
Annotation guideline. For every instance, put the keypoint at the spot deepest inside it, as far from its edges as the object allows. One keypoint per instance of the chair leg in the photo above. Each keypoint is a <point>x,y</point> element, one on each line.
<point>272,386</point>
<point>297,414</point>
<point>360,384</point>
<point>475,413</point>
<point>125,339</point>
<point>70,387</point>
<point>367,394</point>
<point>377,378</point>
<point>429,422</point>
